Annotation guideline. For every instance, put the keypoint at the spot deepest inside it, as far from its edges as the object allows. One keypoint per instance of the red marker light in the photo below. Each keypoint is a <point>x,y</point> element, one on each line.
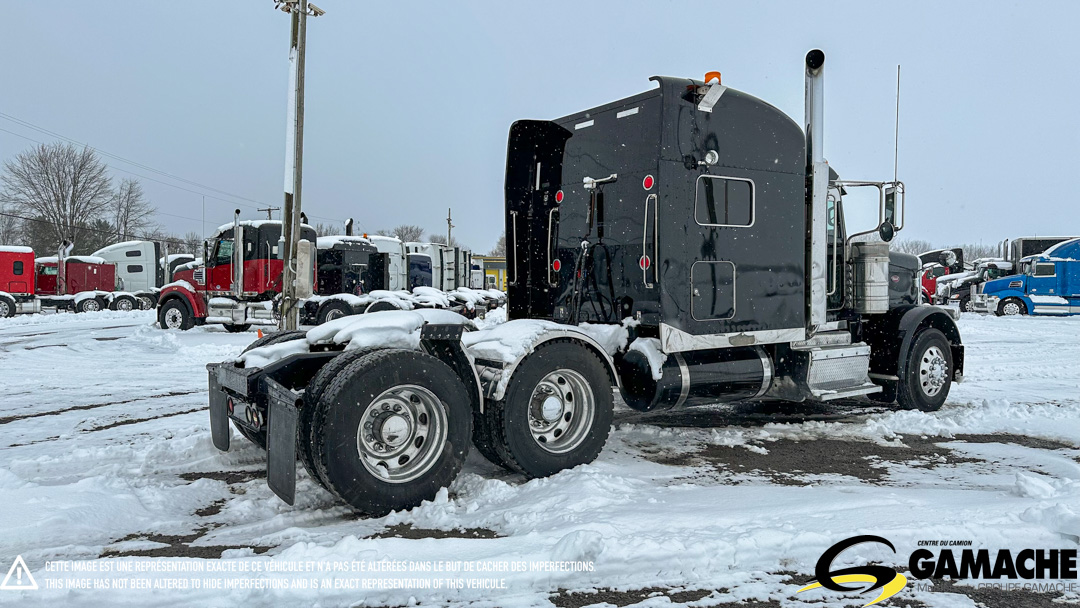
<point>644,262</point>
<point>558,196</point>
<point>556,265</point>
<point>647,183</point>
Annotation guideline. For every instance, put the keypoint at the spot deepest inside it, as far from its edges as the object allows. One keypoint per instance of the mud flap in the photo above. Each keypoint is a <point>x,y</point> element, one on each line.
<point>281,440</point>
<point>219,412</point>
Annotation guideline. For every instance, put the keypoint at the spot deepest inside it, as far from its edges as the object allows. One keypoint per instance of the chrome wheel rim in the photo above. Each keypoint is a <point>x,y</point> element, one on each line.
<point>91,305</point>
<point>124,305</point>
<point>145,303</point>
<point>933,371</point>
<point>334,313</point>
<point>1010,309</point>
<point>5,310</point>
<point>173,318</point>
<point>561,411</point>
<point>402,433</point>
<point>969,306</point>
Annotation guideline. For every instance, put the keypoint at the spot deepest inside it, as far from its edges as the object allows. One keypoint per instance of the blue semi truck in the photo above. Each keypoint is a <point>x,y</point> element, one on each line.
<point>1045,284</point>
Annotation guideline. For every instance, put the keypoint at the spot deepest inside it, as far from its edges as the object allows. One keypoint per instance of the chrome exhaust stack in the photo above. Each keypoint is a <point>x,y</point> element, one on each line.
<point>817,174</point>
<point>238,256</point>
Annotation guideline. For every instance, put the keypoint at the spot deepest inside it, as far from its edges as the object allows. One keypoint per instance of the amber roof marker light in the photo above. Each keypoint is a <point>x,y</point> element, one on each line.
<point>710,76</point>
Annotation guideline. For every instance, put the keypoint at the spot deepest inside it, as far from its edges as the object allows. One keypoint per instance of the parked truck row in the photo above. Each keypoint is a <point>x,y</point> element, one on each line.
<point>238,282</point>
<point>124,276</point>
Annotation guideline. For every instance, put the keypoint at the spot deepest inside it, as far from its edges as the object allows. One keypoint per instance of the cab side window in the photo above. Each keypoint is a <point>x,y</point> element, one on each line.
<point>1045,270</point>
<point>223,252</point>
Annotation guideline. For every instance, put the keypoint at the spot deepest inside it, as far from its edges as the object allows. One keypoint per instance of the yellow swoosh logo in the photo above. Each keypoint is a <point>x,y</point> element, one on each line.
<point>890,589</point>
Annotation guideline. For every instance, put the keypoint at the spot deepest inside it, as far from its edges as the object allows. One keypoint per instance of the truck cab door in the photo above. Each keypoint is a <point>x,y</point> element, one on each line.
<point>1044,280</point>
<point>219,267</point>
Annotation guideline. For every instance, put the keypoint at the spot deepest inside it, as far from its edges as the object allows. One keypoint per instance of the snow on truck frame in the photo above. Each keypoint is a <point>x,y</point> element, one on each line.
<point>746,285</point>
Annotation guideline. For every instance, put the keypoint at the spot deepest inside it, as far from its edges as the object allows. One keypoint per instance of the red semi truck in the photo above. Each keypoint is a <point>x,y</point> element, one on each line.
<point>78,283</point>
<point>235,286</point>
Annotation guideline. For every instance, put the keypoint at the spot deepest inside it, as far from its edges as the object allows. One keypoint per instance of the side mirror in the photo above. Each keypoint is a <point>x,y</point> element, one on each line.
<point>206,253</point>
<point>305,269</point>
<point>886,231</point>
<point>889,214</point>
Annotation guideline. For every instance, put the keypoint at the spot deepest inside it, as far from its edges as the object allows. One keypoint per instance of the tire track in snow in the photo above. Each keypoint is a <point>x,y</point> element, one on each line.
<point>76,408</point>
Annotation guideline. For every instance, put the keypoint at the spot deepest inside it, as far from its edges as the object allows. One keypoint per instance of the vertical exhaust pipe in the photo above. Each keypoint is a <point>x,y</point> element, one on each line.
<point>817,179</point>
<point>348,227</point>
<point>238,256</point>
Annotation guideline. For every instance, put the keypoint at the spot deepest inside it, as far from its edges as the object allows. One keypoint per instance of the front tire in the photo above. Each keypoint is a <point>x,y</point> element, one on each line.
<point>392,429</point>
<point>928,372</point>
<point>176,316</point>
<point>1011,307</point>
<point>965,304</point>
<point>557,411</point>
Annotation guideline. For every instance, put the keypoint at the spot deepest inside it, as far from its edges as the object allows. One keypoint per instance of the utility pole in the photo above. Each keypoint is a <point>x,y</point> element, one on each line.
<point>269,211</point>
<point>294,155</point>
<point>449,227</point>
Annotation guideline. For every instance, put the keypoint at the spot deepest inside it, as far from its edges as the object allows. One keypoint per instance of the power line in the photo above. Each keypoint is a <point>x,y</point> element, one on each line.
<point>34,127</point>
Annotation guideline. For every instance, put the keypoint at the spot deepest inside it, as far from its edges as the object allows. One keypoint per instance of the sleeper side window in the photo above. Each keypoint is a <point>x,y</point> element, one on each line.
<point>17,268</point>
<point>724,201</point>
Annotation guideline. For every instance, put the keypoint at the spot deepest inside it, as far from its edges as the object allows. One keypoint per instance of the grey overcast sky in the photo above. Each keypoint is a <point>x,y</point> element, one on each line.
<point>409,103</point>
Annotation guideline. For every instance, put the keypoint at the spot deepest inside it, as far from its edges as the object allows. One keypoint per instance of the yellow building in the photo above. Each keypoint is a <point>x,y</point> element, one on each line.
<point>489,272</point>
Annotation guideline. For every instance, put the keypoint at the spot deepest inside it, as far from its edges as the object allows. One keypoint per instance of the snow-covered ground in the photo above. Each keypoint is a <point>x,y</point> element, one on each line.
<point>108,477</point>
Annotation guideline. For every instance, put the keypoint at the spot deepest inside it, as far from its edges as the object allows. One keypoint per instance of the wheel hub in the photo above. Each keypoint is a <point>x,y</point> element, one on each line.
<point>551,409</point>
<point>402,433</point>
<point>394,430</point>
<point>173,318</point>
<point>933,371</point>
<point>334,314</point>
<point>561,411</point>
<point>1011,308</point>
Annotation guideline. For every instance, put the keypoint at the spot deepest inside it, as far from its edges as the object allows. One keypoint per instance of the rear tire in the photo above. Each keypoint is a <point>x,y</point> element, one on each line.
<point>556,413</point>
<point>380,306</point>
<point>147,301</point>
<point>259,438</point>
<point>7,307</point>
<point>392,429</point>
<point>89,305</point>
<point>312,395</point>
<point>235,329</point>
<point>928,372</point>
<point>334,309</point>
<point>175,315</point>
<point>1011,307</point>
<point>124,304</point>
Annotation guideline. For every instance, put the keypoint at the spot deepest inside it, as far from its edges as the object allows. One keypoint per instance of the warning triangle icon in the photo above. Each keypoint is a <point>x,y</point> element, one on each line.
<point>19,577</point>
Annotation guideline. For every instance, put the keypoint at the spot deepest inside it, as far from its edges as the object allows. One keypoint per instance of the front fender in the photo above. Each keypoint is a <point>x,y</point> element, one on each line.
<point>192,299</point>
<point>892,335</point>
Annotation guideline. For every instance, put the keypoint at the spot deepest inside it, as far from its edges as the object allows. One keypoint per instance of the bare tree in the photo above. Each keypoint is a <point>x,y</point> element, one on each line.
<point>912,246</point>
<point>192,244</point>
<point>60,184</point>
<point>11,232</point>
<point>441,239</point>
<point>129,210</point>
<point>322,229</point>
<point>499,249</point>
<point>407,233</point>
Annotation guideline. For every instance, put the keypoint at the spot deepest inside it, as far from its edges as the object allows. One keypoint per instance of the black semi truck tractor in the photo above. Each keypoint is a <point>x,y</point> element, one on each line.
<point>703,221</point>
